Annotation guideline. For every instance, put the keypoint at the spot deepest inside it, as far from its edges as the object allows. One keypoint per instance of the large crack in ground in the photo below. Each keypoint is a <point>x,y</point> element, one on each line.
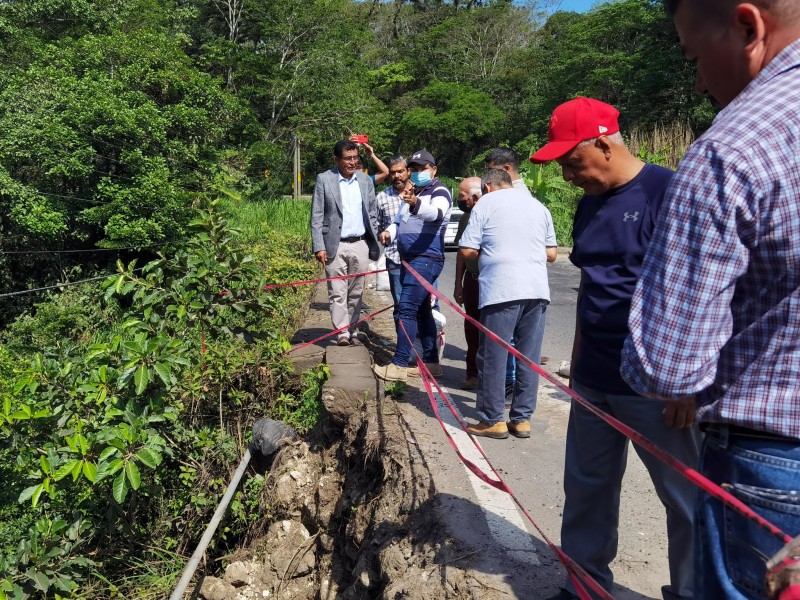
<point>350,512</point>
<point>352,517</point>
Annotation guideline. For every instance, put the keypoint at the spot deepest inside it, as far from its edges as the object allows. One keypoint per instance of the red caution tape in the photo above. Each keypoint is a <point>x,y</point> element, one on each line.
<point>692,475</point>
<point>576,573</point>
<point>335,331</point>
<point>324,279</point>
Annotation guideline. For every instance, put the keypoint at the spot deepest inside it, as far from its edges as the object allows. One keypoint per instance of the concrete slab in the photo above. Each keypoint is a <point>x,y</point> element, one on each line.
<point>307,358</point>
<point>355,358</point>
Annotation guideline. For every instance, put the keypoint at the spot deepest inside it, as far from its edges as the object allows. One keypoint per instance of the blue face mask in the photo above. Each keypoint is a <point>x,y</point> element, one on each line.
<point>421,178</point>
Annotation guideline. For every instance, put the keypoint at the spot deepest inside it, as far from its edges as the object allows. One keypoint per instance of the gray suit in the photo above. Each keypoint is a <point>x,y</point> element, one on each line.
<point>326,213</point>
<point>344,257</point>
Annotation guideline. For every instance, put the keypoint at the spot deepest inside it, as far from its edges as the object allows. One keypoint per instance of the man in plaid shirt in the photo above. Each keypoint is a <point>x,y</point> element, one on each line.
<point>715,318</point>
<point>389,202</point>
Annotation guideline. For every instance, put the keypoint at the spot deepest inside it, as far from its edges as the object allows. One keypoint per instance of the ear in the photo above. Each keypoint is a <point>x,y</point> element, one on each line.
<point>604,146</point>
<point>748,21</point>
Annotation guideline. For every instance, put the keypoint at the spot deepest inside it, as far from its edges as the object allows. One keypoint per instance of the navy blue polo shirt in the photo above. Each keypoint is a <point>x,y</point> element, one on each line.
<point>611,233</point>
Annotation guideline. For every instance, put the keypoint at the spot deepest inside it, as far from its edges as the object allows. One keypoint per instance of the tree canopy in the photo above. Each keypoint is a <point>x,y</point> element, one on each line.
<point>118,116</point>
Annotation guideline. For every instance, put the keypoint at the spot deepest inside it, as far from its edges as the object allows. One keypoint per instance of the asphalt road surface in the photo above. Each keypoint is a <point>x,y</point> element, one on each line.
<point>509,550</point>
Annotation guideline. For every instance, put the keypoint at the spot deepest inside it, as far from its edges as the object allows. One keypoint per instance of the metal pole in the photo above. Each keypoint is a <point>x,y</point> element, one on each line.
<point>191,566</point>
<point>296,185</point>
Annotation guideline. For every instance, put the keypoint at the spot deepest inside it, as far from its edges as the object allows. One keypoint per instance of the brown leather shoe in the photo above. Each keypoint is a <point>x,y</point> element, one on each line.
<point>520,429</point>
<point>470,383</point>
<point>498,431</point>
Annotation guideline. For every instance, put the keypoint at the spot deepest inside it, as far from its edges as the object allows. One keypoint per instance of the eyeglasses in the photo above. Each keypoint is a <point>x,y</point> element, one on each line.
<point>350,159</point>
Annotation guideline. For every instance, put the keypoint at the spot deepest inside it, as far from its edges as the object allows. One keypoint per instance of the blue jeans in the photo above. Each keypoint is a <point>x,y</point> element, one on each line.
<point>524,320</point>
<point>395,284</point>
<point>732,551</point>
<point>415,313</point>
<point>594,464</point>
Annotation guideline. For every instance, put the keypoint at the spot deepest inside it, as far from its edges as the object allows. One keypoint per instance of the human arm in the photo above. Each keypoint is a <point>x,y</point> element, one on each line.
<point>458,290</point>
<point>576,340</point>
<point>434,210</point>
<point>551,246</point>
<point>372,208</point>
<point>383,170</point>
<point>317,219</point>
<point>681,315</point>
<point>469,253</point>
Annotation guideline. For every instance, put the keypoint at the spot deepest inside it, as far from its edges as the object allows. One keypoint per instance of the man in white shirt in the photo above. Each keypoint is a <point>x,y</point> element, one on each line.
<point>509,235</point>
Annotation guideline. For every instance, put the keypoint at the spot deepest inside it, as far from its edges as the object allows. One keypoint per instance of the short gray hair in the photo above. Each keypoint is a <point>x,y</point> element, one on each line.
<point>614,138</point>
<point>716,12</point>
<point>496,178</point>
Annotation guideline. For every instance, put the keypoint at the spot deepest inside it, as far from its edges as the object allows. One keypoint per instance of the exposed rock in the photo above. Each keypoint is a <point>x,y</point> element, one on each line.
<point>238,574</point>
<point>216,589</point>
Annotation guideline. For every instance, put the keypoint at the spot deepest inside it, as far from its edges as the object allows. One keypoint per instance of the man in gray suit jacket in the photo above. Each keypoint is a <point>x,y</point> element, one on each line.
<point>344,224</point>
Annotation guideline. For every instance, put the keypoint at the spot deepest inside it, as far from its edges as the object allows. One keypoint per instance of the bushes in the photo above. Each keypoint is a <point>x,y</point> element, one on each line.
<point>119,438</point>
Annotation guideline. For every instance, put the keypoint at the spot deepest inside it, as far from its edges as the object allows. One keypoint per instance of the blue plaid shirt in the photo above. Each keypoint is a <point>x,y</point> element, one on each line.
<point>716,312</point>
<point>389,204</point>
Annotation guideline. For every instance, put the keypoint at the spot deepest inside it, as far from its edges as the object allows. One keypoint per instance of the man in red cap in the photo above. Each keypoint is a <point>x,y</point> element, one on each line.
<point>613,224</point>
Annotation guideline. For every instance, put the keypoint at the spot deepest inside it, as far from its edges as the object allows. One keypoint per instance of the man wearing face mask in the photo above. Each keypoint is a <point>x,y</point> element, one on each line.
<point>465,292</point>
<point>389,202</point>
<point>419,230</point>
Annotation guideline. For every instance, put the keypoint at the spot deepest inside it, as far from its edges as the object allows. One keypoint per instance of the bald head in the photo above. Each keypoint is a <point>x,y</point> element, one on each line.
<point>470,185</point>
<point>469,190</point>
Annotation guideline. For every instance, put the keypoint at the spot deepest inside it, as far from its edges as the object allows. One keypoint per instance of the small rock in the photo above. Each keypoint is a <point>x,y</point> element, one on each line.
<point>216,589</point>
<point>565,368</point>
<point>237,574</point>
<point>294,475</point>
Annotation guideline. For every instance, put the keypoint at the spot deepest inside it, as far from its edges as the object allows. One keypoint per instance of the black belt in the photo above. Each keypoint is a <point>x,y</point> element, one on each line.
<point>353,239</point>
<point>719,429</point>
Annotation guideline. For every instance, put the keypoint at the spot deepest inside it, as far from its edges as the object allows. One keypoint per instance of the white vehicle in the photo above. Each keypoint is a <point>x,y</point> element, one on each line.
<point>452,228</point>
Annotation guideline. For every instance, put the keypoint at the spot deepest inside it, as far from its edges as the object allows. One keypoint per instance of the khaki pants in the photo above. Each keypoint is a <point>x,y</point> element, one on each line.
<point>345,294</point>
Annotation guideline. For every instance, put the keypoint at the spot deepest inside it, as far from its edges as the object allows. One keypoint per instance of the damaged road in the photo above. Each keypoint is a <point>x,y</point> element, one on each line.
<point>376,504</point>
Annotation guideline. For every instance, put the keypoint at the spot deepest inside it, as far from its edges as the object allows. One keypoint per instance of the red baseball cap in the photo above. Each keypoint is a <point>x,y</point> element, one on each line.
<point>574,121</point>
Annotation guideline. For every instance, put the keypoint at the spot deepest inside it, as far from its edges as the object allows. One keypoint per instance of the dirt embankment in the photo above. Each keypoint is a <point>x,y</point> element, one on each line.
<point>349,512</point>
<point>351,518</point>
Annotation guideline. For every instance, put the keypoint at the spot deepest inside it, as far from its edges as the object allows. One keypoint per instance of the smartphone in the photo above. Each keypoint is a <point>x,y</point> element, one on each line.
<point>361,139</point>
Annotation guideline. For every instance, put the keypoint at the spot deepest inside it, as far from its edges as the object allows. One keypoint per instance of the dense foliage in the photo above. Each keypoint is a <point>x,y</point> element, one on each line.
<point>116,440</point>
<point>116,115</point>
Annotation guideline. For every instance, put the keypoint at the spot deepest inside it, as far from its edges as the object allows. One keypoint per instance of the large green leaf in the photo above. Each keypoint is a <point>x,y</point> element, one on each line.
<point>120,487</point>
<point>149,458</point>
<point>164,373</point>
<point>132,473</point>
<point>141,378</point>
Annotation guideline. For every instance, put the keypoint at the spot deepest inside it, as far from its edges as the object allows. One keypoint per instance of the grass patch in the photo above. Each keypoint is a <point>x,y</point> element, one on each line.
<point>251,218</point>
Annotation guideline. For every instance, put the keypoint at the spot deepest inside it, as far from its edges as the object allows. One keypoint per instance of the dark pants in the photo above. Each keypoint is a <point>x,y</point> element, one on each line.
<point>415,313</point>
<point>472,334</point>
<point>395,284</point>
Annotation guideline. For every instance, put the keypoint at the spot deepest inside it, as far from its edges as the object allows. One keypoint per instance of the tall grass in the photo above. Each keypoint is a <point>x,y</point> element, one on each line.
<point>252,218</point>
<point>662,145</point>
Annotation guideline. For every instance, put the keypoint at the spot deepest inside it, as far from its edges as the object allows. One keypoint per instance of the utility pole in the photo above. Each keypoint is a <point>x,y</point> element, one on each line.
<point>296,172</point>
